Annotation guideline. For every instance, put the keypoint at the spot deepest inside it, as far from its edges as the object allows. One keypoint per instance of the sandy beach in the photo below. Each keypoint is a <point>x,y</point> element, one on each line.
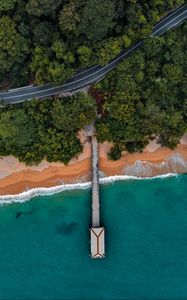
<point>15,177</point>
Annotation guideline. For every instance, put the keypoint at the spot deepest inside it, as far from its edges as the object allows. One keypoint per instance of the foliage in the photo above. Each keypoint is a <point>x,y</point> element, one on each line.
<point>145,96</point>
<point>13,47</point>
<point>49,63</point>
<point>97,19</point>
<point>115,153</point>
<point>45,41</point>
<point>74,114</point>
<point>36,130</point>
<point>49,40</point>
<point>7,4</point>
<point>108,50</point>
<point>69,18</point>
<point>85,54</point>
<point>42,7</point>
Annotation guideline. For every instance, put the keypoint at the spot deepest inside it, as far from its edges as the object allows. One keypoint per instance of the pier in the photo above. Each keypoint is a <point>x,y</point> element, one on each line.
<point>97,233</point>
<point>95,184</point>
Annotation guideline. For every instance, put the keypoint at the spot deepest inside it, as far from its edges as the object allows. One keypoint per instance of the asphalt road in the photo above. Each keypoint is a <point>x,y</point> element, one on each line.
<point>92,74</point>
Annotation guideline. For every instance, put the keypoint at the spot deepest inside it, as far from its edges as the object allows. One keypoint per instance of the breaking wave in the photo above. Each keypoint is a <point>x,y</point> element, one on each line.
<point>27,195</point>
<point>173,164</point>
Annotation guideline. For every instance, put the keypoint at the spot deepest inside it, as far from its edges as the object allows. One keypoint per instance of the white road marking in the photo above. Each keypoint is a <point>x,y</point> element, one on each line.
<point>184,12</point>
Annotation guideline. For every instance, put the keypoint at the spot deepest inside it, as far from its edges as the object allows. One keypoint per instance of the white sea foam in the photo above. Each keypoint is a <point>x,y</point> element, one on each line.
<point>28,194</point>
<point>174,163</point>
<point>177,161</point>
<point>139,168</point>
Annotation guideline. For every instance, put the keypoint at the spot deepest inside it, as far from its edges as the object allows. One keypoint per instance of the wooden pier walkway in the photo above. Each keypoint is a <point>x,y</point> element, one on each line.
<point>95,184</point>
<point>97,233</point>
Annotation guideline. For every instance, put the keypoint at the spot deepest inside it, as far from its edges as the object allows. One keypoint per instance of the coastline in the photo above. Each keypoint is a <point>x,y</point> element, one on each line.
<point>15,178</point>
<point>41,191</point>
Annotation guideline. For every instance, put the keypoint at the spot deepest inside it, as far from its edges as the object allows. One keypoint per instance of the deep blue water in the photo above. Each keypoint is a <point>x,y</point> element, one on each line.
<point>44,244</point>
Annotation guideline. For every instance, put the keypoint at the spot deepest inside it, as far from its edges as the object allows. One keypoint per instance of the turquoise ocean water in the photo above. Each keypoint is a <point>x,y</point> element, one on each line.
<point>44,244</point>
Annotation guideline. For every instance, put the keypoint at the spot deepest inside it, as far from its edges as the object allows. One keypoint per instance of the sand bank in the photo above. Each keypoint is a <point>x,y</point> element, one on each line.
<point>15,177</point>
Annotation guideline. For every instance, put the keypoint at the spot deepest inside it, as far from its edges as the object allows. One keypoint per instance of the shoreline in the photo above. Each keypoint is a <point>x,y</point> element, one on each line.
<point>16,178</point>
<point>43,191</point>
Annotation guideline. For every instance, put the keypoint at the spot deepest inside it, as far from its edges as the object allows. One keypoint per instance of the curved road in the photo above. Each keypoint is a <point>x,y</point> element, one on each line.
<point>92,74</point>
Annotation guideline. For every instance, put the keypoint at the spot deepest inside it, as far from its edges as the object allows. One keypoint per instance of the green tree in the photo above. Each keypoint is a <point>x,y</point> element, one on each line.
<point>62,53</point>
<point>69,18</point>
<point>58,73</point>
<point>7,4</point>
<point>13,47</point>
<point>173,73</point>
<point>153,46</point>
<point>59,48</point>
<point>97,19</point>
<point>115,153</point>
<point>16,129</point>
<point>108,50</point>
<point>125,40</point>
<point>121,106</point>
<point>173,127</point>
<point>40,63</point>
<point>42,7</point>
<point>61,147</point>
<point>74,114</point>
<point>85,54</point>
<point>43,33</point>
<point>145,96</point>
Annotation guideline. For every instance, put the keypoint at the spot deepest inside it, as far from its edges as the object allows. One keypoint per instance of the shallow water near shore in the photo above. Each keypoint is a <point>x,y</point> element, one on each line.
<point>44,244</point>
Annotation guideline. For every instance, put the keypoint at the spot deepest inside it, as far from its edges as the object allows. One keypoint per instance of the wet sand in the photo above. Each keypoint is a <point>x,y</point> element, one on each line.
<point>15,177</point>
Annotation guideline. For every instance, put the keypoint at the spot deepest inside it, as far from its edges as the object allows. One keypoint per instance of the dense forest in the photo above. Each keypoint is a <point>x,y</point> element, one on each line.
<point>146,96</point>
<point>49,40</point>
<point>47,129</point>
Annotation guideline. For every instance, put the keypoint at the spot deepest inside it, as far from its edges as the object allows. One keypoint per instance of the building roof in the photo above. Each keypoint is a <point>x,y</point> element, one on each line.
<point>97,240</point>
